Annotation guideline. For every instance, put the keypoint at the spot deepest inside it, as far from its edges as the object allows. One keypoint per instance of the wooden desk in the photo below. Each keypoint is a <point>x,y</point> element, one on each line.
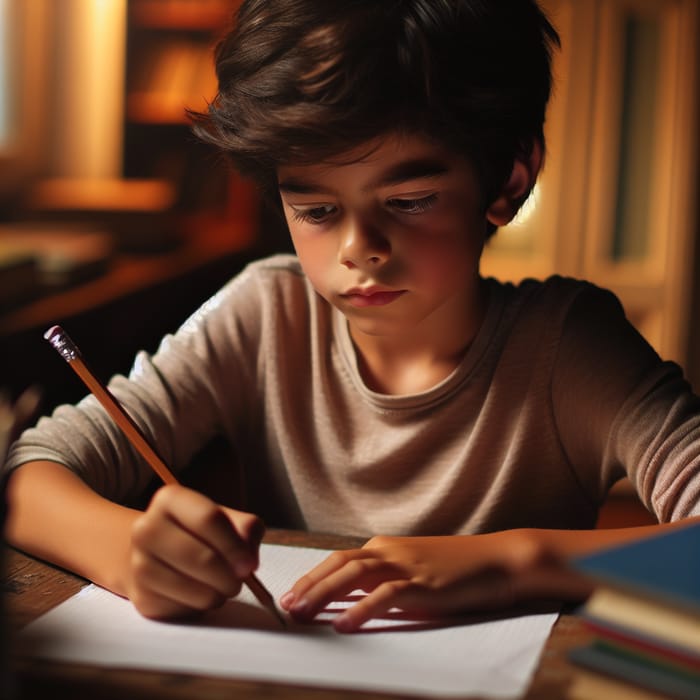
<point>34,588</point>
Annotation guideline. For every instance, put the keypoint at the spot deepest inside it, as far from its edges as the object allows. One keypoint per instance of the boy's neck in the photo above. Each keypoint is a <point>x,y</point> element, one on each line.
<point>414,362</point>
<point>409,376</point>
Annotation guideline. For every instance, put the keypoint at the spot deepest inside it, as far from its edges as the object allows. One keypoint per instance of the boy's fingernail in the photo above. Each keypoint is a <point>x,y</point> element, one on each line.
<point>287,599</point>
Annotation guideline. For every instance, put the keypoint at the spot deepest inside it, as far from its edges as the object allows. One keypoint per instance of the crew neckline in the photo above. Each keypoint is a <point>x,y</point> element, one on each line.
<point>442,389</point>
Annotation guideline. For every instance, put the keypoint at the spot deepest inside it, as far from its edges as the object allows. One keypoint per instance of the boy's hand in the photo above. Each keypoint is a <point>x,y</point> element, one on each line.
<point>189,554</point>
<point>433,576</point>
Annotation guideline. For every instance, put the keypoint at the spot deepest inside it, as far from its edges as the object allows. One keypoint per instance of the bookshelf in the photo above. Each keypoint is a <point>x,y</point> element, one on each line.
<point>169,57</point>
<point>169,69</point>
<point>153,59</point>
<point>180,220</point>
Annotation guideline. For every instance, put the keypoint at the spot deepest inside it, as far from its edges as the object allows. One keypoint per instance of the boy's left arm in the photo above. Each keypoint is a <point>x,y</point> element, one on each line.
<point>428,577</point>
<point>619,410</point>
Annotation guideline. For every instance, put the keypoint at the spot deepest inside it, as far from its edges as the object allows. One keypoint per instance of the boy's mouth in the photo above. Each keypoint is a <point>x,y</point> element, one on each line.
<point>371,296</point>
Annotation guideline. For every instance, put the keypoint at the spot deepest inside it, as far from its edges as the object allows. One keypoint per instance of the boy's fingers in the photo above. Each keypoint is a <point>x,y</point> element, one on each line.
<point>250,528</point>
<point>334,562</point>
<point>364,572</point>
<point>492,590</point>
<point>206,521</point>
<point>165,541</point>
<point>162,592</point>
<point>376,604</point>
<point>389,585</point>
<point>189,554</point>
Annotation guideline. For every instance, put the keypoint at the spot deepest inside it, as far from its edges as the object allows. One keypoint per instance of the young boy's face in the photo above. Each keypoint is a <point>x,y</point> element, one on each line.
<point>391,234</point>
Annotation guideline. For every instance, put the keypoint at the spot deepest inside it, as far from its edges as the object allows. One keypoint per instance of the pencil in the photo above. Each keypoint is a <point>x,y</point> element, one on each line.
<point>70,353</point>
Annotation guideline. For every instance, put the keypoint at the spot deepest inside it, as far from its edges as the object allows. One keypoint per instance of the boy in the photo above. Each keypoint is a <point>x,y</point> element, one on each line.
<point>375,383</point>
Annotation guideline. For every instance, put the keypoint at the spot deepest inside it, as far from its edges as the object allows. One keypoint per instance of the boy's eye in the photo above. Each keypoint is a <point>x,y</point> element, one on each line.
<point>314,215</point>
<point>413,206</point>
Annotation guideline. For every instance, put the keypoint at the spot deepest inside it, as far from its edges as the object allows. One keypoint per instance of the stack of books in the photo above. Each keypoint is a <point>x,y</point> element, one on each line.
<point>645,619</point>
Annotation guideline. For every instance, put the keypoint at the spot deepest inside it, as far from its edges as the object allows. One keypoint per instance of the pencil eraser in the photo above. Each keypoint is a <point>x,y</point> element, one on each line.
<point>52,332</point>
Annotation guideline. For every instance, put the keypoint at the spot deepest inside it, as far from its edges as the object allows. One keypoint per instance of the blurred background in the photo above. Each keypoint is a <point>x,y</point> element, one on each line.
<point>116,223</point>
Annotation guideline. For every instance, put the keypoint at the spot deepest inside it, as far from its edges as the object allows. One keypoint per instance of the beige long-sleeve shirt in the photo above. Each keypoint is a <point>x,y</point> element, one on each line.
<point>556,398</point>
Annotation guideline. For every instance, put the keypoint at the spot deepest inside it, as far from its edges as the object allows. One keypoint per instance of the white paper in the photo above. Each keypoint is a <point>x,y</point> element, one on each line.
<point>491,658</point>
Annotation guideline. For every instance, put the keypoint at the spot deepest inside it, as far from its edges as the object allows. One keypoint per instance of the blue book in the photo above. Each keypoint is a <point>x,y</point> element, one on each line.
<point>645,613</point>
<point>664,568</point>
<point>648,594</point>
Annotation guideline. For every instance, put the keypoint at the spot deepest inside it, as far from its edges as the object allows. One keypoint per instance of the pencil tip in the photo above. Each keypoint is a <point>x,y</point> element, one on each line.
<point>280,617</point>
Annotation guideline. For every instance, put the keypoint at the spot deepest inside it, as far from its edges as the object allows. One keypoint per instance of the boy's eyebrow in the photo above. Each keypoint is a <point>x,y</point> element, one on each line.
<point>400,172</point>
<point>416,169</point>
<point>294,185</point>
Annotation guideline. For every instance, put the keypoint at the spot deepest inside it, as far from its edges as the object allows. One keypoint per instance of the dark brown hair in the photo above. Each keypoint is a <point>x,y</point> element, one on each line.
<point>303,80</point>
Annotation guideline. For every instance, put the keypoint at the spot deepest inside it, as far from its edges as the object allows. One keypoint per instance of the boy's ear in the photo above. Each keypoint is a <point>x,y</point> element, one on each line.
<point>517,188</point>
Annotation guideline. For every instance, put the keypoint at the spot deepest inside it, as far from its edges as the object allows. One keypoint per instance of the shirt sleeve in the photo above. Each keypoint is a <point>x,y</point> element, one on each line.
<point>194,387</point>
<point>621,410</point>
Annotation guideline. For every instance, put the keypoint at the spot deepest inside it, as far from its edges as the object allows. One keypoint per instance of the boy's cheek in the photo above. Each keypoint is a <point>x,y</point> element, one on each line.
<point>440,258</point>
<point>316,263</point>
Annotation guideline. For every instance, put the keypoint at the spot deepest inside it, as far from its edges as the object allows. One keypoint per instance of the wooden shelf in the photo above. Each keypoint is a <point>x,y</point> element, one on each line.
<point>94,194</point>
<point>128,308</point>
<point>170,69</point>
<point>129,274</point>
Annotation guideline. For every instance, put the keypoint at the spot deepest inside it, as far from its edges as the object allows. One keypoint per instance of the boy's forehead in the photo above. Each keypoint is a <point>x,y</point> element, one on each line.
<point>397,157</point>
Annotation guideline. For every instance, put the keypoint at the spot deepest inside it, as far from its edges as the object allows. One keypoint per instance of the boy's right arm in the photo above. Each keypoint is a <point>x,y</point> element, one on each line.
<point>183,554</point>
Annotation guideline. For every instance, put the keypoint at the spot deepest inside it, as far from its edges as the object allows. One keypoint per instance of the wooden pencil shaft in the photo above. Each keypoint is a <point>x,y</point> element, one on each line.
<point>70,353</point>
<point>123,420</point>
<point>137,439</point>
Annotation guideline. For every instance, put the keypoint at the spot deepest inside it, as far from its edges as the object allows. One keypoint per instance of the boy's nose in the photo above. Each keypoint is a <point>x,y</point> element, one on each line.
<point>363,245</point>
